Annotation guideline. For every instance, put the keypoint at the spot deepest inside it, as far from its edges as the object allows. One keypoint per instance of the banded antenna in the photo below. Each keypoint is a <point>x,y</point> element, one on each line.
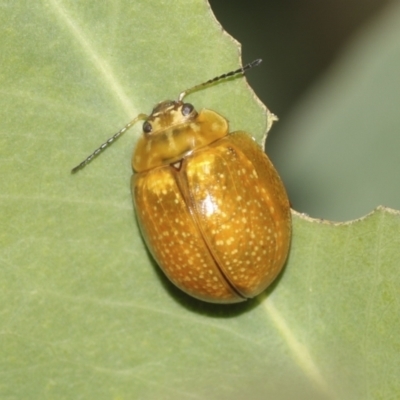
<point>140,117</point>
<point>107,143</point>
<point>242,70</point>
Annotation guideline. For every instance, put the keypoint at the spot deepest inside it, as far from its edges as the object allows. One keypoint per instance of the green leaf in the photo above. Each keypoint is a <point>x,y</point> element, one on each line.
<point>85,313</point>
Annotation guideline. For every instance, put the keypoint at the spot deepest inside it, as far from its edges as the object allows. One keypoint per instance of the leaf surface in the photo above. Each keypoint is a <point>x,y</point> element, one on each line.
<point>85,313</point>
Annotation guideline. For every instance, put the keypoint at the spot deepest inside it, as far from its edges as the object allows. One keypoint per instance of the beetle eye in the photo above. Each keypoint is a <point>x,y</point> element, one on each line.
<point>187,108</point>
<point>147,128</point>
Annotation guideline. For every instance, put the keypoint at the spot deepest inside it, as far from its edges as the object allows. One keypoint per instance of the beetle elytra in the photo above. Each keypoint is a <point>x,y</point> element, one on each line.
<point>211,206</point>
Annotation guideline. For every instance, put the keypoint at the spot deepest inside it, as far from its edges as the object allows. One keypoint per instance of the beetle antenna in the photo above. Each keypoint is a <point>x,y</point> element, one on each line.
<point>108,143</point>
<point>242,70</point>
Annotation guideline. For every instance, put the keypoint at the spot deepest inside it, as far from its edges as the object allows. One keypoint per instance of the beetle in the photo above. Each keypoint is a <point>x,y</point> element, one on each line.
<point>211,207</point>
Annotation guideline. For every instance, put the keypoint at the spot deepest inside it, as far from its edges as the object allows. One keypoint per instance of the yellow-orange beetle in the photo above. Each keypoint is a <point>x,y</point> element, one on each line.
<point>210,204</point>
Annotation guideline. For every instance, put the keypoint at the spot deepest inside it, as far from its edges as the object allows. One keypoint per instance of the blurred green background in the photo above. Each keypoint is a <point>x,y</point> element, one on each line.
<point>85,312</point>
<point>331,74</point>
